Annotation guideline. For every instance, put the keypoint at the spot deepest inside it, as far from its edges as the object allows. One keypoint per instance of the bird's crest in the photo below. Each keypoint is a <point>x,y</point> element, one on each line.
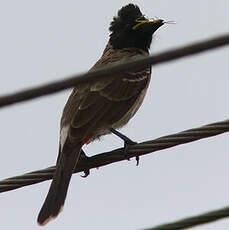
<point>126,15</point>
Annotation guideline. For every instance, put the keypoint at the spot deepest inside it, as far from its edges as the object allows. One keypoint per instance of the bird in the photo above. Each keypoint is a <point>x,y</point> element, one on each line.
<point>100,107</point>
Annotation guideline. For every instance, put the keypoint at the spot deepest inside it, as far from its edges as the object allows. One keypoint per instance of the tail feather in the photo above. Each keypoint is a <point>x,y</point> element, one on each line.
<point>55,199</point>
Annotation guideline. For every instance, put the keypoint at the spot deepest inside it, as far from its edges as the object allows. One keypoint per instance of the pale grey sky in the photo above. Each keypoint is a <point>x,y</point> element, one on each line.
<point>42,41</point>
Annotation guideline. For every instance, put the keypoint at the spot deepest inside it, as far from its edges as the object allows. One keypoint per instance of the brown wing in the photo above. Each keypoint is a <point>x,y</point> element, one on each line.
<point>94,107</point>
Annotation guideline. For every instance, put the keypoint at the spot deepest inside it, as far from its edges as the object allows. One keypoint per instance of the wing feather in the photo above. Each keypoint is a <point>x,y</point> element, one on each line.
<point>100,104</point>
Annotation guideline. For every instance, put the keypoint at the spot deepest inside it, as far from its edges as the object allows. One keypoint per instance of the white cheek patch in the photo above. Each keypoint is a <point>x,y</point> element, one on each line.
<point>63,136</point>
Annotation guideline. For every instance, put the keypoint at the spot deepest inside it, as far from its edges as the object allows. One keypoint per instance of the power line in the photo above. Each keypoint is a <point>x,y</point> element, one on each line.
<point>70,82</point>
<point>194,220</point>
<point>117,155</point>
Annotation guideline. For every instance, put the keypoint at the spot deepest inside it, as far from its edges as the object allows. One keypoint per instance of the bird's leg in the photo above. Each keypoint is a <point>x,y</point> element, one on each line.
<point>127,142</point>
<point>84,156</point>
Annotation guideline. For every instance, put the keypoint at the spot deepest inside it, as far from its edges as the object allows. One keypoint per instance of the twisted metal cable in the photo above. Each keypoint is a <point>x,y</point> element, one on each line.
<point>194,220</point>
<point>166,56</point>
<point>106,158</point>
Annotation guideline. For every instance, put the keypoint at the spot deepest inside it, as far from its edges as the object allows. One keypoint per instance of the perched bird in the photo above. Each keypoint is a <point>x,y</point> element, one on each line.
<point>100,107</point>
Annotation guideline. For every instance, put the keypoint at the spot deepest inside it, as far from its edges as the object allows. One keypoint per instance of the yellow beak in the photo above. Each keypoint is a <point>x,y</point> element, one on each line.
<point>147,24</point>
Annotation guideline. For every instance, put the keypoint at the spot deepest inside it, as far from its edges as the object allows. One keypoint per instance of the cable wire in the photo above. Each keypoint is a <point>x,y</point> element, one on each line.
<point>70,82</point>
<point>194,220</point>
<point>117,155</point>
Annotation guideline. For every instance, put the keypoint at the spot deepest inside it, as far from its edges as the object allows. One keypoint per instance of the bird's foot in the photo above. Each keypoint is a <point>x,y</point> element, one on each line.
<point>87,171</point>
<point>127,143</point>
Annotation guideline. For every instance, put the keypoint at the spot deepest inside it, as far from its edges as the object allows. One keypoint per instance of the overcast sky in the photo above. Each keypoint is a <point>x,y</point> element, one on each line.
<point>43,41</point>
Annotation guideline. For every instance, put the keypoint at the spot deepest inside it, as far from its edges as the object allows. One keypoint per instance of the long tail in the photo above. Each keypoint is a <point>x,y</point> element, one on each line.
<point>54,201</point>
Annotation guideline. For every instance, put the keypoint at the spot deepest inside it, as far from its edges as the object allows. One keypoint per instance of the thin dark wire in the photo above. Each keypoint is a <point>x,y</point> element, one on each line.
<point>195,220</point>
<point>56,86</point>
<point>103,159</point>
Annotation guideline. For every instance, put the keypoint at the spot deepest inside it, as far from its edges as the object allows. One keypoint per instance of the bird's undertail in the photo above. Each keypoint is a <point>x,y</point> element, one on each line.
<point>55,199</point>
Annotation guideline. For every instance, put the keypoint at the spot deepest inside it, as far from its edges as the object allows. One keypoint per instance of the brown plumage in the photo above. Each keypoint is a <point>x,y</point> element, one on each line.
<point>95,107</point>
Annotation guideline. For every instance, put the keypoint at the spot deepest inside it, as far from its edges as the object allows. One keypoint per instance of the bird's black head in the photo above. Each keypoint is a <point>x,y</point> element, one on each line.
<point>131,29</point>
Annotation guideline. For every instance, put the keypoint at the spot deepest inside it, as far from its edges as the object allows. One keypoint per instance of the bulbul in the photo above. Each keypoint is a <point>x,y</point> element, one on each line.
<point>100,106</point>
